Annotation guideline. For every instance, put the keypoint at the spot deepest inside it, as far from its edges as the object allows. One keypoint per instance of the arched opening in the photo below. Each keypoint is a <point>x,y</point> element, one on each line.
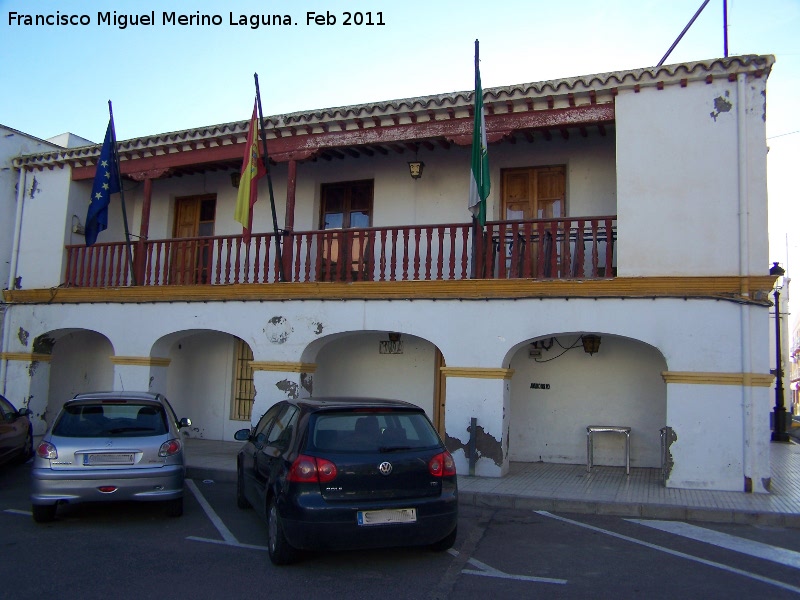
<point>80,362</point>
<point>375,364</point>
<point>558,389</point>
<point>209,380</point>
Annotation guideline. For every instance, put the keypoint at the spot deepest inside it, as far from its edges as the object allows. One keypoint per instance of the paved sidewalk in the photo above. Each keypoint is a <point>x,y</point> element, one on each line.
<point>569,488</point>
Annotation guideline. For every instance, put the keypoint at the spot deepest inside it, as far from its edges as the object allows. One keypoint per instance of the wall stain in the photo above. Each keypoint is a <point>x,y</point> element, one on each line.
<point>290,388</point>
<point>307,382</point>
<point>486,446</point>
<point>23,336</point>
<point>43,345</point>
<point>34,188</point>
<point>32,368</point>
<point>672,437</point>
<point>277,330</point>
<point>721,105</point>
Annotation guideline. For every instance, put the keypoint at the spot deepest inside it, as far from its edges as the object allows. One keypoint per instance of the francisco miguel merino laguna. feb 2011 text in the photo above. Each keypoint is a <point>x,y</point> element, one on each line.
<point>123,21</point>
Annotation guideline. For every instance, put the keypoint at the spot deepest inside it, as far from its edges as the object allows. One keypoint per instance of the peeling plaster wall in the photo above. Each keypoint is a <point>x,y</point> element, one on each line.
<point>694,336</point>
<point>620,385</point>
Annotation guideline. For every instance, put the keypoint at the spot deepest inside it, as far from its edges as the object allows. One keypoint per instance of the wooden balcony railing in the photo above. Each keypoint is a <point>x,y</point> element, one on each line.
<point>579,248</point>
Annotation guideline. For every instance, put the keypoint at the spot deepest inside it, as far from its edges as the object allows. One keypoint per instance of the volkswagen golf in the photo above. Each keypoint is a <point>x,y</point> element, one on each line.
<point>346,473</point>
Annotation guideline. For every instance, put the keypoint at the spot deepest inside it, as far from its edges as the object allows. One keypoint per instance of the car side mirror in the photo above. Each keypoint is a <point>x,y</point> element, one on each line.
<point>242,435</point>
<point>184,422</point>
<point>24,412</point>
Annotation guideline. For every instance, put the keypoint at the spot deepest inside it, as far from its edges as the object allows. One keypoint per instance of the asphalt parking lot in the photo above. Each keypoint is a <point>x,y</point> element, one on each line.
<point>217,550</point>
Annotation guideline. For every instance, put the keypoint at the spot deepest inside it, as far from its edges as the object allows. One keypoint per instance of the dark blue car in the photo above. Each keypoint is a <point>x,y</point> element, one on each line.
<point>338,473</point>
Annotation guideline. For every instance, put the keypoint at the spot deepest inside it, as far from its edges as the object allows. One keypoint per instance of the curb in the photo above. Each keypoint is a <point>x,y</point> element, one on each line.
<point>617,509</point>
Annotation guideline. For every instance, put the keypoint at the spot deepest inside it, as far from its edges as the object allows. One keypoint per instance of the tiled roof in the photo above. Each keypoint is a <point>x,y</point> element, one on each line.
<point>557,93</point>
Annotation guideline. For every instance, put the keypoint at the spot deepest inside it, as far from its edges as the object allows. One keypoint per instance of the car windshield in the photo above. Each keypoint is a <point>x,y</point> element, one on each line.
<point>110,419</point>
<point>373,431</point>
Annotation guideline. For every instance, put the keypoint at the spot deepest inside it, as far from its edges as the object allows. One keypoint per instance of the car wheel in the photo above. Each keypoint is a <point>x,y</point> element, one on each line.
<point>175,507</point>
<point>281,551</point>
<point>446,542</point>
<point>44,513</point>
<point>241,499</point>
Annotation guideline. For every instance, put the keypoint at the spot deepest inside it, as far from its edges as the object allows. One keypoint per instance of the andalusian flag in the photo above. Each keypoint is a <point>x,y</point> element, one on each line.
<point>479,184</point>
<point>252,171</point>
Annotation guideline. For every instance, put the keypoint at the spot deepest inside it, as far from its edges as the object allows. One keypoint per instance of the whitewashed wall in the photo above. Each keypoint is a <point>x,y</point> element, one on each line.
<point>678,176</point>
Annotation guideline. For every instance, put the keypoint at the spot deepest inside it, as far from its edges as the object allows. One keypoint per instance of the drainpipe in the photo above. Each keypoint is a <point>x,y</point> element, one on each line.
<point>751,483</point>
<point>12,271</point>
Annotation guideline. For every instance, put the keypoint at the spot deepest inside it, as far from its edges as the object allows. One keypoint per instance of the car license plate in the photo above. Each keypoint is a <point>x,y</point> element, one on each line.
<point>382,517</point>
<point>109,458</point>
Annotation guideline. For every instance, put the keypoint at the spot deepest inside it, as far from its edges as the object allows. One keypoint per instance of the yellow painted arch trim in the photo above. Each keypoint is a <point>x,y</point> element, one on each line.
<point>477,372</point>
<point>141,361</point>
<point>25,356</point>
<point>283,367</point>
<point>739,379</point>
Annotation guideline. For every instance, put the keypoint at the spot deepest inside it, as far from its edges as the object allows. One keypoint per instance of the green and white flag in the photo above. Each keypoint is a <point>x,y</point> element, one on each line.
<point>479,184</point>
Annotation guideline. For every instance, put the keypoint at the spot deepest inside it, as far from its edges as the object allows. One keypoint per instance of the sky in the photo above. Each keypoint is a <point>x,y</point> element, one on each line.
<point>167,76</point>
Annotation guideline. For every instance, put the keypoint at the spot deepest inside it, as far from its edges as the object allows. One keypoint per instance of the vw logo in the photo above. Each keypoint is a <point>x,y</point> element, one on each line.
<point>385,468</point>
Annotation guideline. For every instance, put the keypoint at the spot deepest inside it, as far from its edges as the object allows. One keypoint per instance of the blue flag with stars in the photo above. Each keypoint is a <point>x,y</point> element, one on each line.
<point>106,182</point>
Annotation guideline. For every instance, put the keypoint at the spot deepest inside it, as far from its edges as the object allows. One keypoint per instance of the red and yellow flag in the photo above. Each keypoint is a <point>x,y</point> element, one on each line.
<point>252,170</point>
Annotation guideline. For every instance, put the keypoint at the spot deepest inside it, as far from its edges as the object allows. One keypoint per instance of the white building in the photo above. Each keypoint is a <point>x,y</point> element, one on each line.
<point>630,206</point>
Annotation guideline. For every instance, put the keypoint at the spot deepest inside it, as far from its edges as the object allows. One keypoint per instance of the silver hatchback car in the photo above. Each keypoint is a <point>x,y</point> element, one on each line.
<point>110,446</point>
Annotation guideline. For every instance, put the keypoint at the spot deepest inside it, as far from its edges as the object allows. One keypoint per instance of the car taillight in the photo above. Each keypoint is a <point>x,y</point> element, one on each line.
<point>46,450</point>
<point>442,465</point>
<point>169,448</point>
<point>311,469</point>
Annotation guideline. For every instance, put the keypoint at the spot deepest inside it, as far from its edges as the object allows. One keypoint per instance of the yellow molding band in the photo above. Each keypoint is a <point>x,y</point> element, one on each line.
<point>753,289</point>
<point>738,379</point>
<point>141,361</point>
<point>477,372</point>
<point>283,367</point>
<point>25,357</point>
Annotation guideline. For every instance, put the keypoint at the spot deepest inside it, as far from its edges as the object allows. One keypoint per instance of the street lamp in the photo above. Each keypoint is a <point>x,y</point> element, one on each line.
<point>779,433</point>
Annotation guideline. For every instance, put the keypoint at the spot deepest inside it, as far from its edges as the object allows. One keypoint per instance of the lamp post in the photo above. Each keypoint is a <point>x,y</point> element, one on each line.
<point>779,433</point>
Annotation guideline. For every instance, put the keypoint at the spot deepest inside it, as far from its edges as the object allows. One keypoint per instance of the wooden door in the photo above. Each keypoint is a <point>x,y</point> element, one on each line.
<point>536,193</point>
<point>191,255</point>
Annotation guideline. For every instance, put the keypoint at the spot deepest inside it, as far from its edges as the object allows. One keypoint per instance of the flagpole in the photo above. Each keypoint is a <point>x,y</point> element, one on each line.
<point>474,269</point>
<point>121,195</point>
<point>269,184</point>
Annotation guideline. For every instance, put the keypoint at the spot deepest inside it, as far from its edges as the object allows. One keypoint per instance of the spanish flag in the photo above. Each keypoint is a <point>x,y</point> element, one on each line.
<point>252,170</point>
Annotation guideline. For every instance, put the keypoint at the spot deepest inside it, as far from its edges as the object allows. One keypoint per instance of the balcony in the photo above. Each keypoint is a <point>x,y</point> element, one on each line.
<point>577,248</point>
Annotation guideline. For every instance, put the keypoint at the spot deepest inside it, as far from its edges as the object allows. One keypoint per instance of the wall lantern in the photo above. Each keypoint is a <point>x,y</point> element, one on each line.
<point>236,176</point>
<point>394,337</point>
<point>591,343</point>
<point>415,168</point>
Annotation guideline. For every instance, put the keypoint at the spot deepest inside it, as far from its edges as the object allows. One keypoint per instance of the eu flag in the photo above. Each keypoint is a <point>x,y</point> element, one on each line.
<point>106,182</point>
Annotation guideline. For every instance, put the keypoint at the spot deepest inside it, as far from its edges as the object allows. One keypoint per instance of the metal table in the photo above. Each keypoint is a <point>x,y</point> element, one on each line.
<point>592,429</point>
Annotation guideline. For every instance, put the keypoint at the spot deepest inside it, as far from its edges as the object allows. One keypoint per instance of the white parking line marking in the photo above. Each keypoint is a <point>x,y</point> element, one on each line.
<point>224,543</point>
<point>790,558</point>
<point>487,571</point>
<point>14,511</point>
<point>213,517</point>
<point>703,561</point>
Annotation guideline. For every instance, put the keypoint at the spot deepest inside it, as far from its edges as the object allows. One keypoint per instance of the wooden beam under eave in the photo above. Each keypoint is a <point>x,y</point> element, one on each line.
<point>392,136</point>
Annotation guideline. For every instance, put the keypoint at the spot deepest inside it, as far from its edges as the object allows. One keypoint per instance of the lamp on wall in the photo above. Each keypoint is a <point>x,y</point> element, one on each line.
<point>394,336</point>
<point>415,168</point>
<point>236,177</point>
<point>591,343</point>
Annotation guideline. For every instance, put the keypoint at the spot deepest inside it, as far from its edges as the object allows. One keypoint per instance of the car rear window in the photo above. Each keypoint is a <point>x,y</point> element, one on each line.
<point>111,420</point>
<point>381,431</point>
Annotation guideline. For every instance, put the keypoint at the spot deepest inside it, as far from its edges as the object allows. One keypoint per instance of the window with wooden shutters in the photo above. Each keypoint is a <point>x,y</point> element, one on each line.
<point>244,392</point>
